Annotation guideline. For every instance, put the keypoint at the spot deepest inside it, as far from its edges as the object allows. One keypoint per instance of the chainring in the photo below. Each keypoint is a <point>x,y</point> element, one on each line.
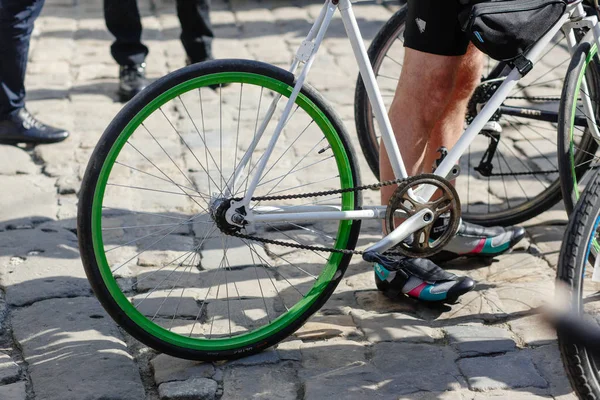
<point>421,243</point>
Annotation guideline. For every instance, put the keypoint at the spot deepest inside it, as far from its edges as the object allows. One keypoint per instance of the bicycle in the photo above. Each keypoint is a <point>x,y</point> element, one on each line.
<point>227,243</point>
<point>579,250</point>
<point>515,150</point>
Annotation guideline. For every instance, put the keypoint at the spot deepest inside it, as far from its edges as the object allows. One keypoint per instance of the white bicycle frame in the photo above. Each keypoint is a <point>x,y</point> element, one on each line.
<point>574,17</point>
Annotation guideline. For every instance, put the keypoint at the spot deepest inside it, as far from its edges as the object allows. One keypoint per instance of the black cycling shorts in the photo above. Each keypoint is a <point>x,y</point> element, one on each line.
<point>432,27</point>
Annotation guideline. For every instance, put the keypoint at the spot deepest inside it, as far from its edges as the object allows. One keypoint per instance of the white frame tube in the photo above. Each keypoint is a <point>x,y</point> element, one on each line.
<point>328,10</point>
<point>373,92</point>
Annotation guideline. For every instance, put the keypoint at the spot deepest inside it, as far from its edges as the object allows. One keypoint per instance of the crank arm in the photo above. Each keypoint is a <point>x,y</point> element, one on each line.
<point>420,220</point>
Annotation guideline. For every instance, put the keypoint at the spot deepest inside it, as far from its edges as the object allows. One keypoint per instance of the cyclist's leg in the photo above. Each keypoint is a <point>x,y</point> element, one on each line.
<point>435,45</point>
<point>438,77</point>
<point>451,124</point>
<point>422,96</point>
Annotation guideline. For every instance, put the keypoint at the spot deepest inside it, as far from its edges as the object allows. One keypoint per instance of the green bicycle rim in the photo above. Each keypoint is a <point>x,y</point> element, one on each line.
<point>588,59</point>
<point>284,320</point>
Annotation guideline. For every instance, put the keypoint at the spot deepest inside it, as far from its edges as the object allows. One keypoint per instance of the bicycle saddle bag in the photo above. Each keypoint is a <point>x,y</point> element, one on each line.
<point>505,30</point>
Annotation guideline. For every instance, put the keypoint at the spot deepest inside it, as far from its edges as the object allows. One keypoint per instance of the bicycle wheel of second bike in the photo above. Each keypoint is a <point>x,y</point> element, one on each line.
<point>151,221</point>
<point>577,148</point>
<point>508,175</point>
<point>575,269</point>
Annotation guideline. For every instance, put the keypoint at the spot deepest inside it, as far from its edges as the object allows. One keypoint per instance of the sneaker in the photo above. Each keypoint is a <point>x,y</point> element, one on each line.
<point>473,240</point>
<point>132,80</point>
<point>418,278</point>
<point>22,127</point>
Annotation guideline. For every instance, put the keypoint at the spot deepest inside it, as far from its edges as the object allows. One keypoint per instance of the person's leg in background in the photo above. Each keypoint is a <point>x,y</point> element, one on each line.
<point>196,31</point>
<point>123,21</point>
<point>439,74</point>
<point>17,125</point>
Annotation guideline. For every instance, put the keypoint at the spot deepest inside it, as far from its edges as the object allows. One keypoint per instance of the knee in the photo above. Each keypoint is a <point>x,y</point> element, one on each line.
<point>433,92</point>
<point>468,75</point>
<point>466,82</point>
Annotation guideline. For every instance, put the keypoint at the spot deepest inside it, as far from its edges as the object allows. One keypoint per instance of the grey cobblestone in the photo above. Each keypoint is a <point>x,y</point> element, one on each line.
<point>74,340</point>
<point>477,340</point>
<point>13,391</point>
<point>9,370</point>
<point>191,389</point>
<point>167,369</point>
<point>510,371</point>
<point>260,382</point>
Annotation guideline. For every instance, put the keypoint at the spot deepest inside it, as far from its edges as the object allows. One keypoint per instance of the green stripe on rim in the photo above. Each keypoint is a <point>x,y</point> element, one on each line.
<point>588,59</point>
<point>348,200</point>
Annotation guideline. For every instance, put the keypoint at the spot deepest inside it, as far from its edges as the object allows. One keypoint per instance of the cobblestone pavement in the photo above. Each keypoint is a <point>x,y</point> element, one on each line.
<point>56,342</point>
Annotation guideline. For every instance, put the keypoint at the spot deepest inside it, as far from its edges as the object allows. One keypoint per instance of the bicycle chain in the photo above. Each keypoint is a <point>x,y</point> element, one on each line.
<point>550,171</point>
<point>533,98</point>
<point>318,194</point>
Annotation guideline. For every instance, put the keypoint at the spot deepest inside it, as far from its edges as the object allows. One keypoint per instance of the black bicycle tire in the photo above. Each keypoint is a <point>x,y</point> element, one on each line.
<point>583,376</point>
<point>84,225</point>
<point>567,177</point>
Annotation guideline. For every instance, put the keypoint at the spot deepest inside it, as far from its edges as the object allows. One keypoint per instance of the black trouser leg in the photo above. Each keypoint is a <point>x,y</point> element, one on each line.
<point>123,21</point>
<point>16,25</point>
<point>196,31</point>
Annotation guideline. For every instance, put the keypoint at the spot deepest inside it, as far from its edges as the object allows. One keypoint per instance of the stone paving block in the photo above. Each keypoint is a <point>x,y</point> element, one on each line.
<point>548,240</point>
<point>523,297</point>
<point>238,253</point>
<point>68,185</point>
<point>36,199</point>
<point>191,389</point>
<point>327,327</point>
<point>50,266</point>
<point>457,395</point>
<point>9,370</point>
<point>402,366</point>
<point>533,330</point>
<point>15,161</point>
<point>74,339</point>
<point>331,354</point>
<point>394,327</point>
<point>477,340</point>
<point>290,350</point>
<point>172,247</point>
<point>514,268</point>
<point>471,307</point>
<point>374,300</point>
<point>260,382</point>
<point>548,362</point>
<point>360,280</point>
<point>522,394</point>
<point>509,371</point>
<point>268,356</point>
<point>353,382</point>
<point>167,368</point>
<point>340,302</point>
<point>14,391</point>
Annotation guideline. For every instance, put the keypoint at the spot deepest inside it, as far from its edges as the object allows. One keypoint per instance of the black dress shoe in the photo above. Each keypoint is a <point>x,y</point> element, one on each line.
<point>132,80</point>
<point>22,127</point>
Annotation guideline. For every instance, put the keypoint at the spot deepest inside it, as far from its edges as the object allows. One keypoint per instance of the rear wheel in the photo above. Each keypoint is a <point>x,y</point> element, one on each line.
<point>577,148</point>
<point>514,158</point>
<point>152,221</point>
